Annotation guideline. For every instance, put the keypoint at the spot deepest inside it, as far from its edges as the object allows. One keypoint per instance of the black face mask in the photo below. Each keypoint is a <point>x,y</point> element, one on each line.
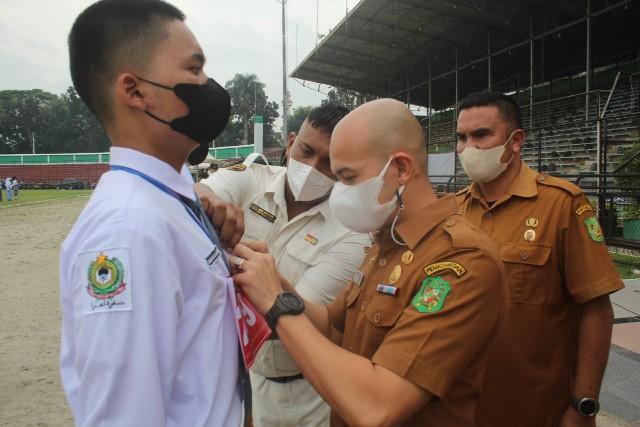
<point>209,110</point>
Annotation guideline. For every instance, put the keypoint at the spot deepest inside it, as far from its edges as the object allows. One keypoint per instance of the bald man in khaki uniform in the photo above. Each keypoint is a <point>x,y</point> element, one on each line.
<point>414,326</point>
<point>555,343</point>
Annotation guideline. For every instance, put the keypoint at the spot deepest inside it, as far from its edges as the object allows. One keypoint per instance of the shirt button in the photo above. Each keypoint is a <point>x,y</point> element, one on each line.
<point>524,256</point>
<point>382,262</point>
<point>364,305</point>
<point>377,317</point>
<point>488,215</point>
<point>450,223</point>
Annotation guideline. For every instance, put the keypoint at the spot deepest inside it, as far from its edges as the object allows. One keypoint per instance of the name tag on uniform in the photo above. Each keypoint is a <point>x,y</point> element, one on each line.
<point>262,212</point>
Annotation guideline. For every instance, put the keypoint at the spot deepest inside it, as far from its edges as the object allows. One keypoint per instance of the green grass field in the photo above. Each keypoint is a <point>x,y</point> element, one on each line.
<point>37,196</point>
<point>626,265</point>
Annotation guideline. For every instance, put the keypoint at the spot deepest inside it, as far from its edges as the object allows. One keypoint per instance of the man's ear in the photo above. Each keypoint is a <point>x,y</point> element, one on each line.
<point>129,92</point>
<point>291,138</point>
<point>517,140</point>
<point>405,166</point>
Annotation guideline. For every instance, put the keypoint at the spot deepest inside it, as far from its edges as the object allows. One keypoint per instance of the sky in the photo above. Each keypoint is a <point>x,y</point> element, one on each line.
<point>238,36</point>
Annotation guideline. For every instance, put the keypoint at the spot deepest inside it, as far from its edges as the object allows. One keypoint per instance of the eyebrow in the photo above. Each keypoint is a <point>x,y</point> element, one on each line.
<point>199,57</point>
<point>476,131</point>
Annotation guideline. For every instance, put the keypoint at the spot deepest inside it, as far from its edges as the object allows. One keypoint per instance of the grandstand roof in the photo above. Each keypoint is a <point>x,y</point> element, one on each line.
<point>384,46</point>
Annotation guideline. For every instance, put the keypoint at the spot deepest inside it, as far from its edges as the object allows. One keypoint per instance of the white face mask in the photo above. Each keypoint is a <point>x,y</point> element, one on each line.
<point>484,165</point>
<point>306,183</point>
<point>357,206</point>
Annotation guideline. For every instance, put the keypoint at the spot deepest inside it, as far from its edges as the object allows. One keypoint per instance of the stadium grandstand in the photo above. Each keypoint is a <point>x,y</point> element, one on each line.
<point>573,66</point>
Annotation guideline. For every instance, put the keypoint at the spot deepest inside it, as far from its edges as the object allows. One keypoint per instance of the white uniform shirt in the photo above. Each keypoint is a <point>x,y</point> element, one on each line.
<point>313,251</point>
<point>149,336</point>
<point>8,183</point>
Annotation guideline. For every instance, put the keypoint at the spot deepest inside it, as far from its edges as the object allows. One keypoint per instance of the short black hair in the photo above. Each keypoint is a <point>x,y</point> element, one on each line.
<point>326,117</point>
<point>507,107</point>
<point>110,35</point>
<point>213,166</point>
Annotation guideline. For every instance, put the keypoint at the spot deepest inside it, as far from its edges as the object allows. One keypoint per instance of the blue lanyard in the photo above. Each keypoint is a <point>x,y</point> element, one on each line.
<point>188,204</point>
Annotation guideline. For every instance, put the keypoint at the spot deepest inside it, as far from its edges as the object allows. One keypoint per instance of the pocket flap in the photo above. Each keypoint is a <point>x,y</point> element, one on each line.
<point>530,254</point>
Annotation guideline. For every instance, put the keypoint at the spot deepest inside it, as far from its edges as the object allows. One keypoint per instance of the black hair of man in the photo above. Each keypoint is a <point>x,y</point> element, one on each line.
<point>326,117</point>
<point>507,106</point>
<point>110,36</point>
<point>213,167</point>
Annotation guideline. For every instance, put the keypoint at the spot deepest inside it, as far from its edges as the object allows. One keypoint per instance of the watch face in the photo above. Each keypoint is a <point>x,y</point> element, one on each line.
<point>588,406</point>
<point>292,301</point>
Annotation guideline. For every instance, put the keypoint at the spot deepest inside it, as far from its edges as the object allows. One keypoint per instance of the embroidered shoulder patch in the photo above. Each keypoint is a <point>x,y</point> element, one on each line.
<point>108,287</point>
<point>237,168</point>
<point>431,296</point>
<point>593,227</point>
<point>584,208</point>
<point>432,269</point>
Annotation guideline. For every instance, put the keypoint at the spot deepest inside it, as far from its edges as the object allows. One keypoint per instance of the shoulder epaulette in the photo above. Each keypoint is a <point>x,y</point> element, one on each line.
<point>552,181</point>
<point>462,234</point>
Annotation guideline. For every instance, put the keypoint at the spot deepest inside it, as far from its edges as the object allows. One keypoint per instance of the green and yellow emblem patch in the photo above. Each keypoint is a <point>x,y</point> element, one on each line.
<point>431,296</point>
<point>106,277</point>
<point>593,227</point>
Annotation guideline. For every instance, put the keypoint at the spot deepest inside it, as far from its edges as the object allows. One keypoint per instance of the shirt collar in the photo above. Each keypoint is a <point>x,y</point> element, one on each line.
<point>181,183</point>
<point>414,228</point>
<point>523,186</point>
<point>277,190</point>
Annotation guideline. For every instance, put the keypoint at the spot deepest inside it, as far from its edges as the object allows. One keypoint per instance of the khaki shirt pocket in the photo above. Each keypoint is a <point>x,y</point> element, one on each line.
<point>526,267</point>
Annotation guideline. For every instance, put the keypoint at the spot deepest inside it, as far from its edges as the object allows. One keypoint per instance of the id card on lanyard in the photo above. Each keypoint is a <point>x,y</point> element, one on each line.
<point>251,327</point>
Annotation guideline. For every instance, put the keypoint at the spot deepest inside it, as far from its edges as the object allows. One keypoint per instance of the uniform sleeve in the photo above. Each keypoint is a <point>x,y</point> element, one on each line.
<point>232,186</point>
<point>588,269</point>
<point>322,282</point>
<point>120,316</point>
<point>448,324</point>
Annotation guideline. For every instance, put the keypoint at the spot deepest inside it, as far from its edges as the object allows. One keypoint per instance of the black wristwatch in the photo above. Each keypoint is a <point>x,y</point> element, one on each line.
<point>286,303</point>
<point>586,406</point>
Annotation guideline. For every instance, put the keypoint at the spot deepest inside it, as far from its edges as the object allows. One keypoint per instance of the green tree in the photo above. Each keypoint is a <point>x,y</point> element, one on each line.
<point>248,94</point>
<point>22,114</point>
<point>347,98</point>
<point>60,123</point>
<point>298,116</point>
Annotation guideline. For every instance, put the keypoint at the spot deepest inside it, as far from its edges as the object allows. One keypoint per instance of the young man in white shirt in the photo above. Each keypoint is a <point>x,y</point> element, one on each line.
<point>288,207</point>
<point>148,334</point>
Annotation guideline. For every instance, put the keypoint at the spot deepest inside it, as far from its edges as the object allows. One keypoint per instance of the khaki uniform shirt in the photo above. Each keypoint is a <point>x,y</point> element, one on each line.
<point>315,253</point>
<point>556,259</point>
<point>437,330</point>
